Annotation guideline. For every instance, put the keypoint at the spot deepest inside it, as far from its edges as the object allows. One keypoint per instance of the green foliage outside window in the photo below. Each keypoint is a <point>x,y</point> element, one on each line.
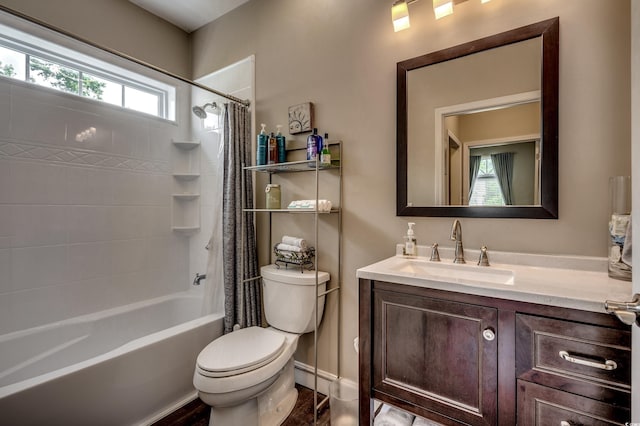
<point>59,77</point>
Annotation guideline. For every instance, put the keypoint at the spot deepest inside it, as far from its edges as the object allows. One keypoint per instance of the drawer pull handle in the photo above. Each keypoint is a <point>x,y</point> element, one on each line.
<point>606,365</point>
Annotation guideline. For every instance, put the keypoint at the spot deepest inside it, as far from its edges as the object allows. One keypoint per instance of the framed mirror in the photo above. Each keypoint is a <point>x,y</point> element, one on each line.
<point>477,128</point>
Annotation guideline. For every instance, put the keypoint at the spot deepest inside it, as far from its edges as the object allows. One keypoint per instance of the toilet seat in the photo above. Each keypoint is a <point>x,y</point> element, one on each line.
<point>240,352</point>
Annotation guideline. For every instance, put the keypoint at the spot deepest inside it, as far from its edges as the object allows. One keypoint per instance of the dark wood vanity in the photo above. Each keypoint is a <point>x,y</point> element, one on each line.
<point>457,358</point>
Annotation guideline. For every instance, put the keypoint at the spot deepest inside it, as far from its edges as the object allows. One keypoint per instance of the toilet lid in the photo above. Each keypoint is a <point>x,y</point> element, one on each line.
<point>241,351</point>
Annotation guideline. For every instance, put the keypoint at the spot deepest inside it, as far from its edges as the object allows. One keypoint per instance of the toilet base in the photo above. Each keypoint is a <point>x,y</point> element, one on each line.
<point>271,408</point>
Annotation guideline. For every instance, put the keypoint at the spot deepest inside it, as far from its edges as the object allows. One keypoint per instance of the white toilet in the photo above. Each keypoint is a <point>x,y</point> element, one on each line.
<point>247,376</point>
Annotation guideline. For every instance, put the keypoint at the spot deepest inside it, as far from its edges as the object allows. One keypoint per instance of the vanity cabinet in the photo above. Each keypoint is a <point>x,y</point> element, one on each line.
<point>457,358</point>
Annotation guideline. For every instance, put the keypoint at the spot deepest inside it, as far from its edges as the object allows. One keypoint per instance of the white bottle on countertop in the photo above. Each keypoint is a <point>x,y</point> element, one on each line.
<point>410,244</point>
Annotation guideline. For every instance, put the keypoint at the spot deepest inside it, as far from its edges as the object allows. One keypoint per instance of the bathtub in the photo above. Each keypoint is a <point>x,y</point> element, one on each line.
<point>124,366</point>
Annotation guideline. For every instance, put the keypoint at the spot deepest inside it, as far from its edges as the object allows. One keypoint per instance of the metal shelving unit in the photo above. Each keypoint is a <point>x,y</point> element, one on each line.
<point>336,282</point>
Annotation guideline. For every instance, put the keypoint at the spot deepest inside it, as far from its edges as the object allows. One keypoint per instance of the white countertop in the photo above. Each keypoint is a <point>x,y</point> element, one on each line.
<point>575,282</point>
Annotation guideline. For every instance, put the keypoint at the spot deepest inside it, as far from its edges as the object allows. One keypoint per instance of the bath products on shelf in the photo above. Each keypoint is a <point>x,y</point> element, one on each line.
<point>262,147</point>
<point>281,145</point>
<point>325,154</point>
<point>410,244</point>
<point>314,145</point>
<point>273,196</point>
<point>273,150</point>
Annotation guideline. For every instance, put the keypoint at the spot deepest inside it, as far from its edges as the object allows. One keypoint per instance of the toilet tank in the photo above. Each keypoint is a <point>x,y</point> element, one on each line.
<point>290,297</point>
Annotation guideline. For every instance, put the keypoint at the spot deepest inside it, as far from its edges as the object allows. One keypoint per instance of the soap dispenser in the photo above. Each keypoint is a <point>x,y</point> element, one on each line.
<point>410,244</point>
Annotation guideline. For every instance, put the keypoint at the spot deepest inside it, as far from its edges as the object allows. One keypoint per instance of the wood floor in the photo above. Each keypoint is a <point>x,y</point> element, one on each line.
<point>196,413</point>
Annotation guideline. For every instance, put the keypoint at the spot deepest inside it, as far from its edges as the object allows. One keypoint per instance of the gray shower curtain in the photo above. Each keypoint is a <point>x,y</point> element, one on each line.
<point>242,302</point>
<point>503,165</point>
<point>474,167</point>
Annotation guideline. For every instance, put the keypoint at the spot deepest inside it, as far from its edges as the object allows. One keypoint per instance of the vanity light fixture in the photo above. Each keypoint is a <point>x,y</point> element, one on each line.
<point>442,8</point>
<point>400,14</point>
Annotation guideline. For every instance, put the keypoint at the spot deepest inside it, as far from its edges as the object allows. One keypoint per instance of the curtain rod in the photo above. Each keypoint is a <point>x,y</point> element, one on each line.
<point>69,34</point>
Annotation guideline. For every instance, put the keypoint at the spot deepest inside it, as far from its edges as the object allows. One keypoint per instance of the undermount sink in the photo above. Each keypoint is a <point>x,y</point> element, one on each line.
<point>452,272</point>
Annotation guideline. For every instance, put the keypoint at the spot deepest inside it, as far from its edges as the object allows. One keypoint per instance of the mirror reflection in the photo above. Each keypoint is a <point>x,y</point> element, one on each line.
<point>490,158</point>
<point>475,131</point>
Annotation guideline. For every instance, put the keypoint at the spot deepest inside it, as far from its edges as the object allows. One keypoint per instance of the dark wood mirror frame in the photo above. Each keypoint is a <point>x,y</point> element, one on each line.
<point>548,208</point>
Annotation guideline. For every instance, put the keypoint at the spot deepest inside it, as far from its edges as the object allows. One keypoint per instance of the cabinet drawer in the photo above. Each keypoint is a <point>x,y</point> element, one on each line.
<point>589,360</point>
<point>543,406</point>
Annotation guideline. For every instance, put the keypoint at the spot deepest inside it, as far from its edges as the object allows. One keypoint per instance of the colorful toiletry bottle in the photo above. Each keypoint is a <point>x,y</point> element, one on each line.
<point>262,147</point>
<point>325,155</point>
<point>410,244</point>
<point>273,150</point>
<point>314,146</point>
<point>281,145</point>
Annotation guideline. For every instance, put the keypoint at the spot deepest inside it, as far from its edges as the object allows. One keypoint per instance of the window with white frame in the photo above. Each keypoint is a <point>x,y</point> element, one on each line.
<point>27,58</point>
<point>486,188</point>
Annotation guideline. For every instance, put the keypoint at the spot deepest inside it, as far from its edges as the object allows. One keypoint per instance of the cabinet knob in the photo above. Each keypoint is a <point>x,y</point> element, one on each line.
<point>489,334</point>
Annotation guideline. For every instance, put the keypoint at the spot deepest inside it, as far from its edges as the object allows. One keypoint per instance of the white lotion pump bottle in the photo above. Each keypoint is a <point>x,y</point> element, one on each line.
<point>410,244</point>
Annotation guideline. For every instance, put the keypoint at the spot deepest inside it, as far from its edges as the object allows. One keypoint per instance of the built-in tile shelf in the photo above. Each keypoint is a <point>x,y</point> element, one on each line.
<point>186,197</point>
<point>185,145</point>
<point>186,176</point>
<point>185,166</point>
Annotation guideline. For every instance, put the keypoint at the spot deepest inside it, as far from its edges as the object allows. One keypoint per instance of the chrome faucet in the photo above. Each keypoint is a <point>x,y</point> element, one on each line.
<point>456,235</point>
<point>483,260</point>
<point>198,278</point>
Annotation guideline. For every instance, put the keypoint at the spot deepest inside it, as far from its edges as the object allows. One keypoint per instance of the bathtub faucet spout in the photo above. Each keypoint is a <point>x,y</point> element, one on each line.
<point>198,278</point>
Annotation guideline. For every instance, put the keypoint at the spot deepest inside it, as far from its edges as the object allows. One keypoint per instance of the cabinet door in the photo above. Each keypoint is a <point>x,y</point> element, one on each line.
<point>543,406</point>
<point>431,354</point>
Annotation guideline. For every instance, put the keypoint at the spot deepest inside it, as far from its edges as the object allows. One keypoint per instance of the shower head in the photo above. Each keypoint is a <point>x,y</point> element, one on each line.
<point>200,111</point>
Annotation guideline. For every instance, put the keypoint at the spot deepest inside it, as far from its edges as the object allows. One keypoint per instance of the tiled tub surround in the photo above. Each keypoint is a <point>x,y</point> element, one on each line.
<point>84,225</point>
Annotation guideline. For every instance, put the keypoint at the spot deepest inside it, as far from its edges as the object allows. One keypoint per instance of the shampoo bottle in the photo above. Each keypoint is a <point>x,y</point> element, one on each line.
<point>281,145</point>
<point>262,147</point>
<point>410,244</point>
<point>314,145</point>
<point>325,154</point>
<point>273,150</point>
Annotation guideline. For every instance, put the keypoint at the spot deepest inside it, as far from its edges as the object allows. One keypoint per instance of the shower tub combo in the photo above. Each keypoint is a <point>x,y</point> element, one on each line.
<point>123,366</point>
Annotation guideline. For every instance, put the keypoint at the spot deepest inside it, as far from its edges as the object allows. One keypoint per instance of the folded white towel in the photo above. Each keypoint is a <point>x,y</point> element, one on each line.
<point>295,241</point>
<point>323,205</point>
<point>288,247</point>
<point>390,416</point>
<point>419,421</point>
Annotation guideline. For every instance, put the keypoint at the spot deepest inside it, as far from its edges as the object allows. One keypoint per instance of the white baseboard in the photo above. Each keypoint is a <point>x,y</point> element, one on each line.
<point>169,409</point>
<point>304,376</point>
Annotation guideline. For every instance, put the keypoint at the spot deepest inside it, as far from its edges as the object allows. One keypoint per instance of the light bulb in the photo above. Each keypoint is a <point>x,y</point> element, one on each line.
<point>400,15</point>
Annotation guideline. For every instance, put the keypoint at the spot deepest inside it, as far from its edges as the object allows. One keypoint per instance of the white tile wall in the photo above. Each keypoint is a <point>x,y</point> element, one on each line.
<point>39,225</point>
<point>84,225</point>
<point>5,267</point>
<point>236,79</point>
<point>38,183</point>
